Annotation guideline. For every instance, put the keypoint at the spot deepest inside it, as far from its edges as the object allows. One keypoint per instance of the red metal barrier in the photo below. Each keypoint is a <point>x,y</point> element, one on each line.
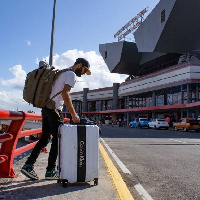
<point>9,140</point>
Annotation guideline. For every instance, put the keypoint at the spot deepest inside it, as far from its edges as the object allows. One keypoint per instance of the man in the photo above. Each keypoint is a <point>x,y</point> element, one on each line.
<point>168,119</point>
<point>52,119</point>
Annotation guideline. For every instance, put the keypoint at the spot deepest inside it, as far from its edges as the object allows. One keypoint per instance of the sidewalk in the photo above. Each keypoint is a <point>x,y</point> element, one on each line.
<point>23,188</point>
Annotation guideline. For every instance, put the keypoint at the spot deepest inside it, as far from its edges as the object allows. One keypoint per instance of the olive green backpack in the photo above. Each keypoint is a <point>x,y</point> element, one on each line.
<point>38,85</point>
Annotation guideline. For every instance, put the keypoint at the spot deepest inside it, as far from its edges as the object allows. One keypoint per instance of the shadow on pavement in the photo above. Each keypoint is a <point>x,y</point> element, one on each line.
<point>38,189</point>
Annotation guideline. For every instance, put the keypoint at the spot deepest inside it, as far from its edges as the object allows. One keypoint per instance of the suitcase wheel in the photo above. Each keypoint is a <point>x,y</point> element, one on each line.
<point>96,181</point>
<point>64,183</point>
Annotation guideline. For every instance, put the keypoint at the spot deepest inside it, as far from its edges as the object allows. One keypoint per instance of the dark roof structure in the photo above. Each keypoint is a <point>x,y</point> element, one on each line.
<point>172,27</point>
<point>123,58</point>
<point>169,31</point>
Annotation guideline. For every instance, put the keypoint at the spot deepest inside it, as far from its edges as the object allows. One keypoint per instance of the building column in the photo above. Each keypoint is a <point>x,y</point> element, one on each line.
<point>114,118</point>
<point>165,99</point>
<point>85,105</point>
<point>127,118</point>
<point>197,93</point>
<point>154,98</point>
<point>188,93</point>
<point>154,103</point>
<point>128,101</point>
<point>128,114</point>
<point>188,98</point>
<point>182,95</point>
<point>153,114</point>
<point>115,96</point>
<point>188,113</point>
<point>100,105</point>
<point>197,98</point>
<point>181,113</point>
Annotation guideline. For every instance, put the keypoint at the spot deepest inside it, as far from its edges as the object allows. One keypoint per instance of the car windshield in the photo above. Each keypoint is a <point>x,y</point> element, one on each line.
<point>161,120</point>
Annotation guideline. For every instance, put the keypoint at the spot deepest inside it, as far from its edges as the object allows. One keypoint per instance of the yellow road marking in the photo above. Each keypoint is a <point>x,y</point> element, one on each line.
<point>123,192</point>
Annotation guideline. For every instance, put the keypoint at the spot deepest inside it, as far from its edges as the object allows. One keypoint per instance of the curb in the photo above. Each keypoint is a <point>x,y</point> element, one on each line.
<point>123,192</point>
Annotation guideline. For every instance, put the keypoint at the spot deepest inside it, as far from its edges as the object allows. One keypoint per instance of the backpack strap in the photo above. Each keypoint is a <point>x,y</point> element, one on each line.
<point>57,75</point>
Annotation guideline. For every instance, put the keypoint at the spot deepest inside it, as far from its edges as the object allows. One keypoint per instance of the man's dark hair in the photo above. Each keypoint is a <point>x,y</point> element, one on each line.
<point>83,61</point>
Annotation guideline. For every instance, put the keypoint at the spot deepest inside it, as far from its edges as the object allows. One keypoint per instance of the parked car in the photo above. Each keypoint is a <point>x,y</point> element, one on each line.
<point>187,124</point>
<point>158,123</point>
<point>143,122</point>
<point>86,120</point>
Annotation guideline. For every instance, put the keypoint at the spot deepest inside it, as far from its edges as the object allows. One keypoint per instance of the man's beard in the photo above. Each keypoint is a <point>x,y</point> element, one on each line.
<point>78,72</point>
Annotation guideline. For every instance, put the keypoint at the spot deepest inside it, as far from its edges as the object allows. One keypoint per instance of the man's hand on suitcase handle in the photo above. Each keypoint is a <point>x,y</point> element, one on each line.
<point>76,119</point>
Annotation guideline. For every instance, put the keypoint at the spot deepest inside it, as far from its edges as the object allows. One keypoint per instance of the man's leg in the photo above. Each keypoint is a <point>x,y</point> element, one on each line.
<point>28,168</point>
<point>55,119</point>
<point>44,140</point>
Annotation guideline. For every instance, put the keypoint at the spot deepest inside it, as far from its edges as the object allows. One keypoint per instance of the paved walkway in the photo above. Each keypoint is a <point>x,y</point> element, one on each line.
<point>23,188</point>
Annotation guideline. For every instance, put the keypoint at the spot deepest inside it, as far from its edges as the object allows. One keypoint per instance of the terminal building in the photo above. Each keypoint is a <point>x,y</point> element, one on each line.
<point>163,65</point>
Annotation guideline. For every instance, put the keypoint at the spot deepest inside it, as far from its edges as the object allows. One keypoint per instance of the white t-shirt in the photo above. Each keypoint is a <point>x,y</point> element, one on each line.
<point>68,77</point>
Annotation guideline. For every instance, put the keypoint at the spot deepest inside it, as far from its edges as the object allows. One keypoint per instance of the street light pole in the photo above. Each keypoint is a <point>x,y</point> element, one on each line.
<point>52,35</point>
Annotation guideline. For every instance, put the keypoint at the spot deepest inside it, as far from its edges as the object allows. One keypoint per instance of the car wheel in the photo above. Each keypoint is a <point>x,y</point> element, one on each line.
<point>185,129</point>
<point>175,128</point>
<point>155,127</point>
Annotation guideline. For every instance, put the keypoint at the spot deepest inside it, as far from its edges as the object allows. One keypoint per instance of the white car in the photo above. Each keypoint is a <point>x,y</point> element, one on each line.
<point>158,123</point>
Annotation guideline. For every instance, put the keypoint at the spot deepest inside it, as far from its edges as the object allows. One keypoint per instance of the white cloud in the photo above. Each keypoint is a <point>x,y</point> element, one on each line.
<point>11,99</point>
<point>18,80</point>
<point>28,42</point>
<point>100,77</point>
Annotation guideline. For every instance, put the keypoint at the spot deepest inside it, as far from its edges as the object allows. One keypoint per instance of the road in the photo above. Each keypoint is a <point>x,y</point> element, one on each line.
<point>164,163</point>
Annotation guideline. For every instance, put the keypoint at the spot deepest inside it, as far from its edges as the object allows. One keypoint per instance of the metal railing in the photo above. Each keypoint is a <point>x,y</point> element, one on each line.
<point>9,139</point>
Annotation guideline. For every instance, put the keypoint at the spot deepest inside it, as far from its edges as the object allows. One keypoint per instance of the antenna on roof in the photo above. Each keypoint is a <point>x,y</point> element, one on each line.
<point>131,25</point>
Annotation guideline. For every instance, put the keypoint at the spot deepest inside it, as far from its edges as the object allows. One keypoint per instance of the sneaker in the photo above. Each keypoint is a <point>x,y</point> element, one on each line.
<point>29,172</point>
<point>51,175</point>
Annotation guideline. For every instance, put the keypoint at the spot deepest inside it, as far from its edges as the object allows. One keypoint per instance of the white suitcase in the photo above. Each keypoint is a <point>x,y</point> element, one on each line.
<point>78,153</point>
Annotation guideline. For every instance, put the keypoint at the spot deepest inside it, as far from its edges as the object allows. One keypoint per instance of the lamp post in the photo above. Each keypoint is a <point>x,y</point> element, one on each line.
<point>52,35</point>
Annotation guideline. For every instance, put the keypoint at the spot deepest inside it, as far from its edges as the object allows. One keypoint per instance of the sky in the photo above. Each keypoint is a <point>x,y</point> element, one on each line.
<point>80,26</point>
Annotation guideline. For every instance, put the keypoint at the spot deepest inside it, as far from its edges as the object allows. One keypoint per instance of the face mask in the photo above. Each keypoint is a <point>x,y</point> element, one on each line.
<point>78,72</point>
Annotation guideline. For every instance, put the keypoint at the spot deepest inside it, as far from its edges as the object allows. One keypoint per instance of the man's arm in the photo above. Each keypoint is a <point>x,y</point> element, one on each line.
<point>68,103</point>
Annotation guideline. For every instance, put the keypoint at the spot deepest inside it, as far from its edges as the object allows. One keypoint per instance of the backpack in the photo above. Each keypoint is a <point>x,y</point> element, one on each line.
<point>38,85</point>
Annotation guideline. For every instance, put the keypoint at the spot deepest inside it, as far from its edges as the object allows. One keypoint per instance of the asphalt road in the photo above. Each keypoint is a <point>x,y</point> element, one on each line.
<point>164,162</point>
